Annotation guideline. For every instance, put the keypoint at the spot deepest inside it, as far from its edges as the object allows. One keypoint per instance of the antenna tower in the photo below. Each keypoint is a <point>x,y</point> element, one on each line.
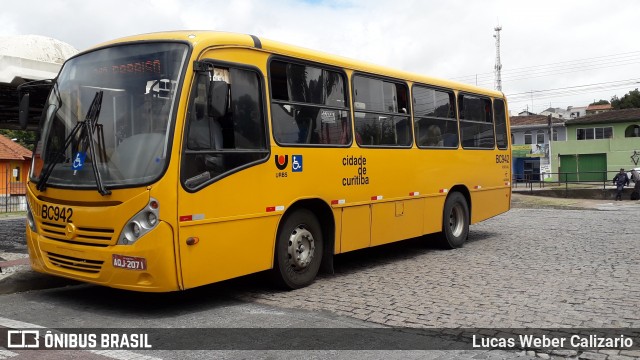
<point>498,66</point>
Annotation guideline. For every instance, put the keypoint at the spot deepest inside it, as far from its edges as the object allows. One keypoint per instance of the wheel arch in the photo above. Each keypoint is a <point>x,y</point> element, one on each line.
<point>324,214</point>
<point>467,195</point>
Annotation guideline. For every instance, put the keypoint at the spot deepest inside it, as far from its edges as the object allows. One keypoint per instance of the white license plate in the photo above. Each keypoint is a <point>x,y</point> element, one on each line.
<point>129,262</point>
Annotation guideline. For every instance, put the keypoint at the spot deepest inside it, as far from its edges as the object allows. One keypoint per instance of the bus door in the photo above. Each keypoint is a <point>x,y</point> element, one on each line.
<point>223,231</point>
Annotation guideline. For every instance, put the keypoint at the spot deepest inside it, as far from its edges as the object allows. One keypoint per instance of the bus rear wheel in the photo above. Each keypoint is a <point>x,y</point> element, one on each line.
<point>455,221</point>
<point>299,246</point>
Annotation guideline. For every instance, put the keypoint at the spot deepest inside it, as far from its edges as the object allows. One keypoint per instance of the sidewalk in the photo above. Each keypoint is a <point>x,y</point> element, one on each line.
<point>576,197</point>
<point>574,191</point>
<point>11,263</point>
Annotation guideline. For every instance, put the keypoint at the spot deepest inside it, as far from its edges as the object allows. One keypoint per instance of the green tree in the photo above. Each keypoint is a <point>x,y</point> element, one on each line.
<point>628,101</point>
<point>600,102</point>
<point>24,138</point>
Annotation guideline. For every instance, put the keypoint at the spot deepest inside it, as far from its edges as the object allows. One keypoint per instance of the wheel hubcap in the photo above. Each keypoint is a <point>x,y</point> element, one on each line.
<point>301,247</point>
<point>456,220</point>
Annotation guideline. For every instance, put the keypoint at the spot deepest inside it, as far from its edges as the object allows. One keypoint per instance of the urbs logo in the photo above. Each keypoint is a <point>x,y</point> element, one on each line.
<point>281,161</point>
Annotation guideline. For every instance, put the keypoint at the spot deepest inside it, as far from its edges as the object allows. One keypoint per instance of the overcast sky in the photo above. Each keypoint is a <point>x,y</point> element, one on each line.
<point>586,49</point>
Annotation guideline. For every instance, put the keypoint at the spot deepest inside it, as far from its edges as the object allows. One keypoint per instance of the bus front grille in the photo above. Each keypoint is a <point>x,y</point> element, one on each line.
<point>77,264</point>
<point>84,235</point>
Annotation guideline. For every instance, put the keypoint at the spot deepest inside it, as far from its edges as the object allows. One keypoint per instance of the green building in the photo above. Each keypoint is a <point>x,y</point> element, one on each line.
<point>597,146</point>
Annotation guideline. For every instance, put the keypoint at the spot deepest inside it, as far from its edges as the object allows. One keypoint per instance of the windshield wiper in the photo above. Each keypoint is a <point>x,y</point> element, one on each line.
<point>87,127</point>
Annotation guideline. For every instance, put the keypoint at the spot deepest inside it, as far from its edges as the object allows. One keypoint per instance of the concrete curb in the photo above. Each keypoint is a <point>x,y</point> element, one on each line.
<point>16,275</point>
<point>10,263</point>
<point>27,279</point>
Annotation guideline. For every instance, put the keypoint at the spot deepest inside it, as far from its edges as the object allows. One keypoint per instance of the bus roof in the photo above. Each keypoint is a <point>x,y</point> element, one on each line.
<point>202,39</point>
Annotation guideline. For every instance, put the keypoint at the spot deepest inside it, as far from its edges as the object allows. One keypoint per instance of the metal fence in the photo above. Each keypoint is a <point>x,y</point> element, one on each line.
<point>12,197</point>
<point>567,180</point>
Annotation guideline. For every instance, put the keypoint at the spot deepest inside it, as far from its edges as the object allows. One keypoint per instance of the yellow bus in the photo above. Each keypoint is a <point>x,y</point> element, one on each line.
<point>172,160</point>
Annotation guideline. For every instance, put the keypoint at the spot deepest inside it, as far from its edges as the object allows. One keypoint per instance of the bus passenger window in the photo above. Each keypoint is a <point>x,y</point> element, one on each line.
<point>381,112</point>
<point>308,105</point>
<point>501,124</point>
<point>436,125</point>
<point>476,122</point>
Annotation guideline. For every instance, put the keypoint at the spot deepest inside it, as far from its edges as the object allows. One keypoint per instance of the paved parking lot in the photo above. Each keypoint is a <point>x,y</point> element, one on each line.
<point>528,268</point>
<point>525,268</point>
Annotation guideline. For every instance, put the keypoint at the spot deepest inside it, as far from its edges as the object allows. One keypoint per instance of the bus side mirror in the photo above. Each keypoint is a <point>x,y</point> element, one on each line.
<point>218,98</point>
<point>23,114</point>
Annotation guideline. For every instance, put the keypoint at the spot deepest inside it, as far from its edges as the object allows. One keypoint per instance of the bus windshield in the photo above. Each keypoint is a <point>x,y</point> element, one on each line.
<point>130,131</point>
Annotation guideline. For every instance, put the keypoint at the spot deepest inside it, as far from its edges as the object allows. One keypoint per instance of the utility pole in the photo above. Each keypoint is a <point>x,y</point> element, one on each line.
<point>550,129</point>
<point>498,66</point>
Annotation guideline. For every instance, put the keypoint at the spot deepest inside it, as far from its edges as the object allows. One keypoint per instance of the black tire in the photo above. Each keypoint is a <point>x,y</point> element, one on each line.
<point>455,221</point>
<point>299,246</point>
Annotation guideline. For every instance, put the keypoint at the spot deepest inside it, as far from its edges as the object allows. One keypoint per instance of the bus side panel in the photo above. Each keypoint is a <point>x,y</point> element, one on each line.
<point>356,228</point>
<point>397,220</point>
<point>226,249</point>
<point>337,217</point>
<point>433,208</point>
<point>485,204</point>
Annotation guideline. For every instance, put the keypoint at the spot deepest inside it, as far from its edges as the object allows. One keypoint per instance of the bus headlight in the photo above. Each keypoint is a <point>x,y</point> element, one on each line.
<point>30,220</point>
<point>152,219</point>
<point>135,229</point>
<point>141,223</point>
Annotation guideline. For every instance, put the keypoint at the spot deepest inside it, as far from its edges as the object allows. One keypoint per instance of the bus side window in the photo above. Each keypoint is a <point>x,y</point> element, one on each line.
<point>476,122</point>
<point>381,112</point>
<point>436,125</point>
<point>308,105</point>
<point>204,132</point>
<point>217,144</point>
<point>199,128</point>
<point>501,124</point>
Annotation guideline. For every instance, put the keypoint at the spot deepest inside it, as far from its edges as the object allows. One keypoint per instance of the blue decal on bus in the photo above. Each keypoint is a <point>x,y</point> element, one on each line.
<point>296,163</point>
<point>78,160</point>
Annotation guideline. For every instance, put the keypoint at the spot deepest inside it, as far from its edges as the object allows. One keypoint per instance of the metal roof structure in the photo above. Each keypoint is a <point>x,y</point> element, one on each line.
<point>26,58</point>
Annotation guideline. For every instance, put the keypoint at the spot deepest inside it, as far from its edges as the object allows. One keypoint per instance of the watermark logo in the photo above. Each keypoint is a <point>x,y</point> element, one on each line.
<point>23,339</point>
<point>36,339</point>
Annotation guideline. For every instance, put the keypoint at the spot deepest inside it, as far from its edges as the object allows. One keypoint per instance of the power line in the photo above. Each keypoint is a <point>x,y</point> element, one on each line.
<point>604,58</point>
<point>538,96</point>
<point>632,81</point>
<point>567,93</point>
<point>570,62</point>
<point>580,69</point>
<point>556,69</point>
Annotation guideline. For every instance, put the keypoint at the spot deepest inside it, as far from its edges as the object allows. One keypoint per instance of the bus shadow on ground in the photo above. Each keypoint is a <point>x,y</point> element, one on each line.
<point>358,260</point>
<point>131,305</point>
<point>476,236</point>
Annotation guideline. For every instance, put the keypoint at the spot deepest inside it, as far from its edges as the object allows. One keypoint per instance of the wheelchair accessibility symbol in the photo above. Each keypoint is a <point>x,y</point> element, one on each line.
<point>78,160</point>
<point>296,163</point>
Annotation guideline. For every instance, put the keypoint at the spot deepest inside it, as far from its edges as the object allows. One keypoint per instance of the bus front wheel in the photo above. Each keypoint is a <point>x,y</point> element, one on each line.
<point>455,221</point>
<point>298,250</point>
